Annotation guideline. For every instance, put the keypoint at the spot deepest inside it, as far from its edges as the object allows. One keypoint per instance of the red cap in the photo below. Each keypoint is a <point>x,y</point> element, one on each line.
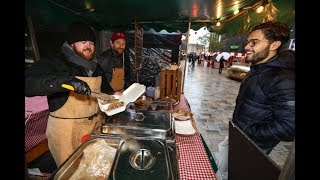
<point>85,137</point>
<point>118,35</point>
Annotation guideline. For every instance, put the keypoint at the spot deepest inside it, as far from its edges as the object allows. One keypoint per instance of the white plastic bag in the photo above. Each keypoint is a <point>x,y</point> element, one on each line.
<point>223,155</point>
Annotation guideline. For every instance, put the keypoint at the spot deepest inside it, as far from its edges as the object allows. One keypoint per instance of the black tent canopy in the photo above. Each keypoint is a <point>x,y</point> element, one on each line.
<point>171,15</point>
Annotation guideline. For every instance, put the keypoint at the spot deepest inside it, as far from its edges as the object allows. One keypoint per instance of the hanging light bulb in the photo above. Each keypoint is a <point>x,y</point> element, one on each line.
<point>260,9</point>
<point>218,23</point>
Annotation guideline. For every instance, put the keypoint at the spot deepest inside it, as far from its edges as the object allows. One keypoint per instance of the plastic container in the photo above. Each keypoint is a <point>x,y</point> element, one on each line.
<point>157,93</point>
<point>131,94</point>
<point>157,86</point>
<point>150,92</point>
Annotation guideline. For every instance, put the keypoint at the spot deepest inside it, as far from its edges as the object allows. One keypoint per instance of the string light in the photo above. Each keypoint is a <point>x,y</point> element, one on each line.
<point>236,12</point>
<point>260,9</point>
<point>218,23</point>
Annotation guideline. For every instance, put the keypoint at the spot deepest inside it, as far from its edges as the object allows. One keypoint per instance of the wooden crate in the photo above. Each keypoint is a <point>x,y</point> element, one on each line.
<point>170,83</point>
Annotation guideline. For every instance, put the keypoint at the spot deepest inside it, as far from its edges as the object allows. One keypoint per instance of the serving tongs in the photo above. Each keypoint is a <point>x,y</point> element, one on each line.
<point>101,96</point>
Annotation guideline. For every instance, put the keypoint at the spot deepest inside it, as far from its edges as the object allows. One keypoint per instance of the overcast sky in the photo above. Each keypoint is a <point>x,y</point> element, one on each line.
<point>193,38</point>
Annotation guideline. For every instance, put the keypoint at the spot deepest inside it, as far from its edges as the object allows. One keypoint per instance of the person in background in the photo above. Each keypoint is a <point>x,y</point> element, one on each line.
<point>214,59</point>
<point>192,57</point>
<point>230,61</point>
<point>221,64</point>
<point>116,63</point>
<point>265,105</point>
<point>73,114</point>
<point>189,57</point>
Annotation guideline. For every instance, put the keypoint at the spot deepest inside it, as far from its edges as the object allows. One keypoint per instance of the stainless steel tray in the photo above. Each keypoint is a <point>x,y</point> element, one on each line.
<point>143,158</point>
<point>142,123</point>
<point>135,156</point>
<point>69,167</point>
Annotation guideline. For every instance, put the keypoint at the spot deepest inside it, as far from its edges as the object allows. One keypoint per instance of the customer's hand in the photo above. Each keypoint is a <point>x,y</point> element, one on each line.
<point>80,87</point>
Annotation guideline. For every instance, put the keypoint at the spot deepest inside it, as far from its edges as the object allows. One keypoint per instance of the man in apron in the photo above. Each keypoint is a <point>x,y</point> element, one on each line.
<point>116,63</point>
<point>73,114</point>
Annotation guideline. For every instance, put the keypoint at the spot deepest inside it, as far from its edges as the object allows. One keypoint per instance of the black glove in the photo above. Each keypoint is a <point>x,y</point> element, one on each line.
<point>80,87</point>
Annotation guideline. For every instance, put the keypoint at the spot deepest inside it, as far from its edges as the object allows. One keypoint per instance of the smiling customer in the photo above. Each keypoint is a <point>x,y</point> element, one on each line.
<point>265,106</point>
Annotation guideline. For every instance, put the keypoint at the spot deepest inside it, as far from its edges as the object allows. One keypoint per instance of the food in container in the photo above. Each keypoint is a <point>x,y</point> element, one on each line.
<point>119,103</point>
<point>93,159</point>
<point>181,114</point>
<point>96,161</point>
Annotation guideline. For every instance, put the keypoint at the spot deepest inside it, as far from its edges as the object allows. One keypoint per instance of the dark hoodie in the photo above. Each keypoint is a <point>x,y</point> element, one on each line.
<point>265,106</point>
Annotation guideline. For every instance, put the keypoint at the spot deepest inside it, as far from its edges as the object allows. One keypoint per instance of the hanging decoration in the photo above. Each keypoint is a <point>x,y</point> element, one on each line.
<point>269,13</point>
<point>245,24</point>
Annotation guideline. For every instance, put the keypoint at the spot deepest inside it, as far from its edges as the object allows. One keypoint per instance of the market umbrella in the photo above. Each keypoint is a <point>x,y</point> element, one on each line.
<point>225,56</point>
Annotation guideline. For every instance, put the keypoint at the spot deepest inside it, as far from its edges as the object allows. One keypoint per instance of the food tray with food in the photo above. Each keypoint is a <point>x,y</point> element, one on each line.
<point>117,103</point>
<point>181,114</point>
<point>91,160</point>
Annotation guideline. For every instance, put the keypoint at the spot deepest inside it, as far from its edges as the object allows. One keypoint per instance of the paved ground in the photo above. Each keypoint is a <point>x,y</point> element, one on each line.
<point>212,99</point>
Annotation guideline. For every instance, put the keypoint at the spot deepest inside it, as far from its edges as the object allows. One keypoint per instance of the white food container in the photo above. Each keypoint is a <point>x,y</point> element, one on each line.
<point>131,94</point>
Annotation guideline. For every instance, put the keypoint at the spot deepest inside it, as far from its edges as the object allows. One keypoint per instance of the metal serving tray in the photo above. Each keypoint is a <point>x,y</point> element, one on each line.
<point>136,157</point>
<point>143,158</point>
<point>68,168</point>
<point>143,123</point>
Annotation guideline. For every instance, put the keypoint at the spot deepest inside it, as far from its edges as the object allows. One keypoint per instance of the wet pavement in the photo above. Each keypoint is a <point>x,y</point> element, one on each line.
<point>212,99</point>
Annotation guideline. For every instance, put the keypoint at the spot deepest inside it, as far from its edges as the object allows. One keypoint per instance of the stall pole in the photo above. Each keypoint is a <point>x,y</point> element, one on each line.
<point>185,62</point>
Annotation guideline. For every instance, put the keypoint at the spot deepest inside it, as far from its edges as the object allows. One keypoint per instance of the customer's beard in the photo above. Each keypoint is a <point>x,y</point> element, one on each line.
<point>260,56</point>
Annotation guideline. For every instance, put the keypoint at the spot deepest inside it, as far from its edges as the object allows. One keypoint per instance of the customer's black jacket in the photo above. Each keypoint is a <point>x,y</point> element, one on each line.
<point>47,75</point>
<point>109,60</point>
<point>265,106</point>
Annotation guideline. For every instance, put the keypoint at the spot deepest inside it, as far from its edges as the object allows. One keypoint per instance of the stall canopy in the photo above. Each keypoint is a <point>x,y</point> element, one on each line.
<point>171,15</point>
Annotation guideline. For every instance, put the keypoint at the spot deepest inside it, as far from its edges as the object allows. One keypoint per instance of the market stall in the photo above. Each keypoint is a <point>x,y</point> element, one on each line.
<point>51,19</point>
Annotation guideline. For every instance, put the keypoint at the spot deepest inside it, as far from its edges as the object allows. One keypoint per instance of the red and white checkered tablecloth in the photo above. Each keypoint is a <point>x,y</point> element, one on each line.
<point>36,118</point>
<point>193,159</point>
<point>35,103</point>
<point>194,163</point>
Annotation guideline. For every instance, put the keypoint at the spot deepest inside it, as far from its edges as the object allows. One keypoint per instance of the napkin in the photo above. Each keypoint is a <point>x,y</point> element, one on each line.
<point>184,127</point>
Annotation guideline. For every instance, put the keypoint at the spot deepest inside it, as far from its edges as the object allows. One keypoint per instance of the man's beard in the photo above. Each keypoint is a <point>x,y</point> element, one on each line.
<point>257,57</point>
<point>84,55</point>
<point>119,51</point>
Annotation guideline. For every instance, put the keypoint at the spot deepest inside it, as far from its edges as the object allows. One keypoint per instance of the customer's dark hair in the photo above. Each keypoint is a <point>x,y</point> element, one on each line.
<point>274,31</point>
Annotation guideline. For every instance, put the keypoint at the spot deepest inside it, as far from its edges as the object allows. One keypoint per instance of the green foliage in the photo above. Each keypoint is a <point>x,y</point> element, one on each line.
<point>213,40</point>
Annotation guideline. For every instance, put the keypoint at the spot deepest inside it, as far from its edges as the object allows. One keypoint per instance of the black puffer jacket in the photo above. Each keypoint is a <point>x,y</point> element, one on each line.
<point>46,76</point>
<point>265,106</point>
<point>109,60</point>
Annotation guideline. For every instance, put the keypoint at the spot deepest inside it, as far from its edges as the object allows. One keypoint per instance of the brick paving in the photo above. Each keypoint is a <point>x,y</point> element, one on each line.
<point>212,99</point>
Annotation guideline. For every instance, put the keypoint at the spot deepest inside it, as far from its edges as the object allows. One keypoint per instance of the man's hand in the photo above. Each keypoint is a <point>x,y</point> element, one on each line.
<point>80,87</point>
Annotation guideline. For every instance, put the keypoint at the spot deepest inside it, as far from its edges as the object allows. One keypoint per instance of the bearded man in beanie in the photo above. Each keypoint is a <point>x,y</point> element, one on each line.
<point>116,63</point>
<point>73,114</point>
